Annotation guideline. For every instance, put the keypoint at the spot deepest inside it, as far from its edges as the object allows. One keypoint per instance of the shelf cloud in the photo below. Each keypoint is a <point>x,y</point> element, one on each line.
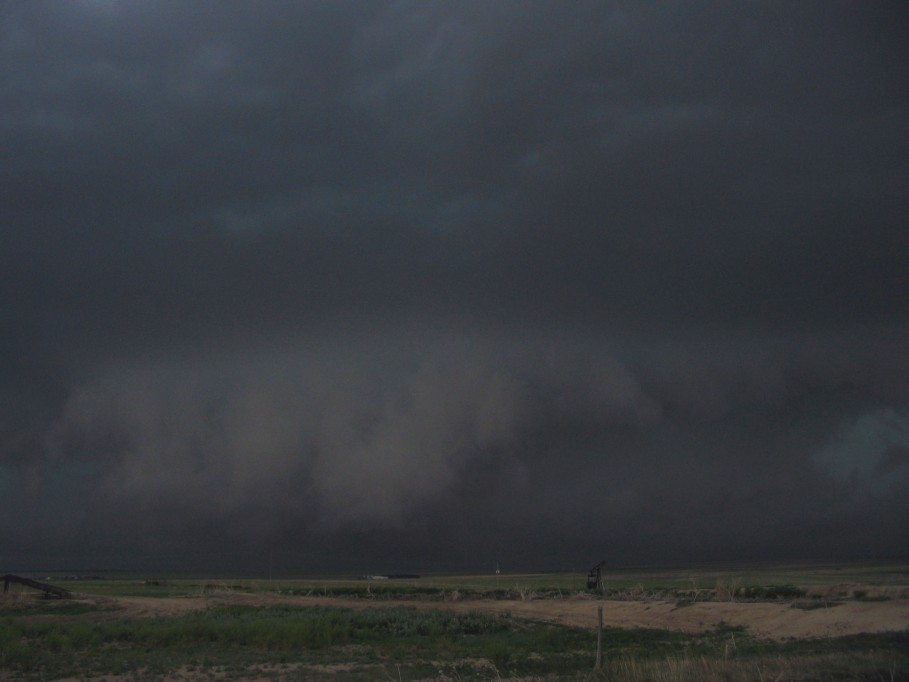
<point>428,285</point>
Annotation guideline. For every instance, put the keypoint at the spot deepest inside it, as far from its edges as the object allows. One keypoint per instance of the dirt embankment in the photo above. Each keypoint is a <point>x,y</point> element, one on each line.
<point>774,620</point>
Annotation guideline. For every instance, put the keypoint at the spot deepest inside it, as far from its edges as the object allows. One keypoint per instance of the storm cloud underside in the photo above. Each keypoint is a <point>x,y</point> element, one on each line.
<point>425,285</point>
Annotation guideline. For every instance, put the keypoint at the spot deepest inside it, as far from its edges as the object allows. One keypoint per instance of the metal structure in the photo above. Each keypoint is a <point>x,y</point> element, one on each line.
<point>50,591</point>
<point>595,577</point>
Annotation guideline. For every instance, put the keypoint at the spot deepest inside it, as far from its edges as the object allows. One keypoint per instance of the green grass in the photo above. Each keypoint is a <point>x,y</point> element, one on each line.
<point>55,607</point>
<point>772,581</point>
<point>52,639</point>
<point>405,643</point>
<point>240,637</point>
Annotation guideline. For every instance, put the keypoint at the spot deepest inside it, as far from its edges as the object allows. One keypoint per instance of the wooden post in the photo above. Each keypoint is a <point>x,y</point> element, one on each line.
<point>596,666</point>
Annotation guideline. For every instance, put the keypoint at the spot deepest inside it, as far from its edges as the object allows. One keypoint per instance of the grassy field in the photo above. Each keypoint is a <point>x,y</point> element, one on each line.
<point>670,581</point>
<point>94,638</point>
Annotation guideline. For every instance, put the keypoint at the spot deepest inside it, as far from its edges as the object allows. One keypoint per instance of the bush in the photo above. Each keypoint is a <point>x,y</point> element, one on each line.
<point>764,592</point>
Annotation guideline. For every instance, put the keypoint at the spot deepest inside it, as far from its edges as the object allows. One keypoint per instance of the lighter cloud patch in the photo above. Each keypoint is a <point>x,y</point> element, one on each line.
<point>871,453</point>
<point>340,443</point>
<point>380,457</point>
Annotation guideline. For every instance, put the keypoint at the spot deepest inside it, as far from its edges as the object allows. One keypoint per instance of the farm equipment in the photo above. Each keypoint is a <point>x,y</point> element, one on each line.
<point>50,591</point>
<point>595,577</point>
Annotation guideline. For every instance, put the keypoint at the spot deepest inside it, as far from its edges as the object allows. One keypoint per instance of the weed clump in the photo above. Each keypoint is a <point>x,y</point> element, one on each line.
<point>771,592</point>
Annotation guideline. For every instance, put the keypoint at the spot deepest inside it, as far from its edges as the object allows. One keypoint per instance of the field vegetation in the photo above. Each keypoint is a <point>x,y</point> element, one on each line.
<point>754,582</point>
<point>97,636</point>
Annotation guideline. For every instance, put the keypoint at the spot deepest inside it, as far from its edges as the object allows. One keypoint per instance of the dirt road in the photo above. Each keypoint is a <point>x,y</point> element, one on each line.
<point>763,619</point>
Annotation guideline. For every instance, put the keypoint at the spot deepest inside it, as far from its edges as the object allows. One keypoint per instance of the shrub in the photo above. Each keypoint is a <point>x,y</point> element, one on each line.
<point>763,592</point>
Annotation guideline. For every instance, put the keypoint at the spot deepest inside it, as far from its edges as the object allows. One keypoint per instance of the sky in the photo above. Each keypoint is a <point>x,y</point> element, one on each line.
<point>425,286</point>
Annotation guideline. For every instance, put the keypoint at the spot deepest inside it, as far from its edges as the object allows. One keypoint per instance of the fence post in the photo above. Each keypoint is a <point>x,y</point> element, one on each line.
<point>596,665</point>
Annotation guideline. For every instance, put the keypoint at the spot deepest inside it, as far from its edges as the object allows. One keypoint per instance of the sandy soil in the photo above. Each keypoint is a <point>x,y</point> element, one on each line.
<point>763,619</point>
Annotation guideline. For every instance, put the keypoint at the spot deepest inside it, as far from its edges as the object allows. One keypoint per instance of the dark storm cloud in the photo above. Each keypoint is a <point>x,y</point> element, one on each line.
<point>449,283</point>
